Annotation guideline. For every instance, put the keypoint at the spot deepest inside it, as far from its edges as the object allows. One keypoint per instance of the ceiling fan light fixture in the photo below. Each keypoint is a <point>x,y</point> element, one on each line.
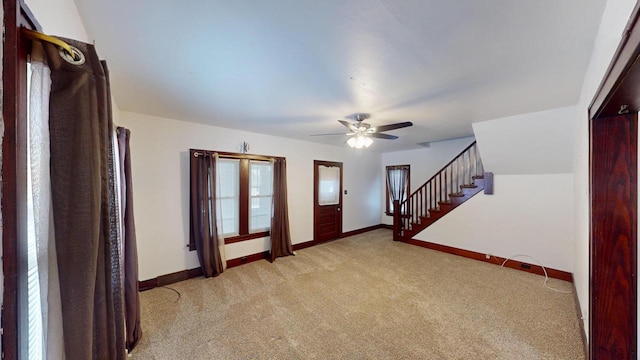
<point>359,141</point>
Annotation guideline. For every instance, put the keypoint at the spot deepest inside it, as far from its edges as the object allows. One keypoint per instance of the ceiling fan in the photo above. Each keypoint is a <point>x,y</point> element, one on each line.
<point>362,132</point>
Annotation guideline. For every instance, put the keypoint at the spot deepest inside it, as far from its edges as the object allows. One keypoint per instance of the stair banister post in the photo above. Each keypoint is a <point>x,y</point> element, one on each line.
<point>396,220</point>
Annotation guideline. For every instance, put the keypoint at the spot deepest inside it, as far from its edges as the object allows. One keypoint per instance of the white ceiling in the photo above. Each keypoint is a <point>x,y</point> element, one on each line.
<point>293,67</point>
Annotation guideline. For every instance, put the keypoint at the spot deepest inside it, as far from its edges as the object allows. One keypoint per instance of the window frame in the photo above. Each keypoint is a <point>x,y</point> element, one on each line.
<point>236,198</point>
<point>244,233</point>
<point>386,176</point>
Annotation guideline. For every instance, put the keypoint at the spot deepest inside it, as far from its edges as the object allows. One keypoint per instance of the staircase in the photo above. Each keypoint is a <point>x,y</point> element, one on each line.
<point>455,183</point>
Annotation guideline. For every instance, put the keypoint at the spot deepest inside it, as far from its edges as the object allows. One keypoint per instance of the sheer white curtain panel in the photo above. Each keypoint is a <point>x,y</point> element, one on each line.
<point>52,342</point>
<point>219,225</point>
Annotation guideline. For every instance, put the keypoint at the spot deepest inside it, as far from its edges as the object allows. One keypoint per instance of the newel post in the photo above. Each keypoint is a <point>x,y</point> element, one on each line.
<point>396,220</point>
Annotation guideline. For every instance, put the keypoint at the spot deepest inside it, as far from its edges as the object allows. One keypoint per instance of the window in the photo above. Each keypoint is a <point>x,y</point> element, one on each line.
<point>245,190</point>
<point>244,196</point>
<point>397,185</point>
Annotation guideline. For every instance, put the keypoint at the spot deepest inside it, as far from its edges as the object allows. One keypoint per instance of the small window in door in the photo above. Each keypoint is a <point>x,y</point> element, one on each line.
<point>328,185</point>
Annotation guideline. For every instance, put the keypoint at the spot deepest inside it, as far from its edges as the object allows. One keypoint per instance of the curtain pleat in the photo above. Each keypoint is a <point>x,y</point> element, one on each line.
<point>130,276</point>
<point>203,213</point>
<point>83,200</point>
<point>280,235</point>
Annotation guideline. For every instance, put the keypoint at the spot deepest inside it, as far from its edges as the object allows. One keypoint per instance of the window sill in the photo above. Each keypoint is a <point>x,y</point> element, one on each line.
<point>239,238</point>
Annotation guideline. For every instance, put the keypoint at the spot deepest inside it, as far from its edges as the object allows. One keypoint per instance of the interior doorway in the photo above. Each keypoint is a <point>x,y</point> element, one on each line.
<point>327,200</point>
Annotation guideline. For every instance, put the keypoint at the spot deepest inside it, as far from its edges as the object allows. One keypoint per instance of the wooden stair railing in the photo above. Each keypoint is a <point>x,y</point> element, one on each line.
<point>454,184</point>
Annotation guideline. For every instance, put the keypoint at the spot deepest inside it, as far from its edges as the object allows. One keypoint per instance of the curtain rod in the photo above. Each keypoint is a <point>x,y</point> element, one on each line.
<point>35,35</point>
<point>230,155</point>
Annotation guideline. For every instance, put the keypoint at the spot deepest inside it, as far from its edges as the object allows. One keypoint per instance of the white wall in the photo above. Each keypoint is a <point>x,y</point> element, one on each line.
<point>528,214</point>
<point>609,35</point>
<point>60,18</point>
<point>160,162</point>
<point>531,212</point>
<point>533,143</point>
<point>424,164</point>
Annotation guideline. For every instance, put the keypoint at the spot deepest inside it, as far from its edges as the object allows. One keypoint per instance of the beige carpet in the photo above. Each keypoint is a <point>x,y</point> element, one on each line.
<point>363,297</point>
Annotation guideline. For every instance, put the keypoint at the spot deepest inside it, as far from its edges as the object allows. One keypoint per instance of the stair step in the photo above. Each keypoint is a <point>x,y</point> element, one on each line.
<point>468,186</point>
<point>478,177</point>
<point>445,205</point>
<point>456,194</point>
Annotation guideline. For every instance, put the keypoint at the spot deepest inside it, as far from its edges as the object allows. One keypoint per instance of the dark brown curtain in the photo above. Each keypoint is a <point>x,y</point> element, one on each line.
<point>397,180</point>
<point>130,256</point>
<point>84,206</point>
<point>280,235</point>
<point>204,233</point>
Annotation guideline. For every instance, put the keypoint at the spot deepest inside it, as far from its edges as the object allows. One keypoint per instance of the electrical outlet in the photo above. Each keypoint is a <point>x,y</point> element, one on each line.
<point>525,266</point>
<point>487,256</point>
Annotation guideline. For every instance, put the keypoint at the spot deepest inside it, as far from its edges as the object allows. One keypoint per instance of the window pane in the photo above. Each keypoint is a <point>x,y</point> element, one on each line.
<point>260,178</point>
<point>260,218</point>
<point>328,185</point>
<point>228,175</point>
<point>228,195</point>
<point>229,215</point>
<point>261,191</point>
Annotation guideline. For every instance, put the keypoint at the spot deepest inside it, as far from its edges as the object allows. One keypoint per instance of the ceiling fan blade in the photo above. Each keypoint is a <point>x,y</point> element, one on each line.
<point>393,126</point>
<point>342,133</point>
<point>383,136</point>
<point>348,125</point>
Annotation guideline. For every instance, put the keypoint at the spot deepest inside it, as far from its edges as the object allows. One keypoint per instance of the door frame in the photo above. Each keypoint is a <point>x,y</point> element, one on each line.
<point>316,207</point>
<point>14,175</point>
<point>618,94</point>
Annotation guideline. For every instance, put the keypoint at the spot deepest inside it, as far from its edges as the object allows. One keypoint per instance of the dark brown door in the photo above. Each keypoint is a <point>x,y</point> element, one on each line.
<point>327,193</point>
<point>613,249</point>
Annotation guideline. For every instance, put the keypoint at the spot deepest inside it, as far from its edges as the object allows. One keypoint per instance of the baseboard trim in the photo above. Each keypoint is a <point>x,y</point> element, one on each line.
<point>386,226</point>
<point>175,277</point>
<point>168,279</point>
<point>361,231</point>
<point>178,276</point>
<point>303,245</point>
<point>247,259</point>
<point>583,333</point>
<point>496,260</point>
